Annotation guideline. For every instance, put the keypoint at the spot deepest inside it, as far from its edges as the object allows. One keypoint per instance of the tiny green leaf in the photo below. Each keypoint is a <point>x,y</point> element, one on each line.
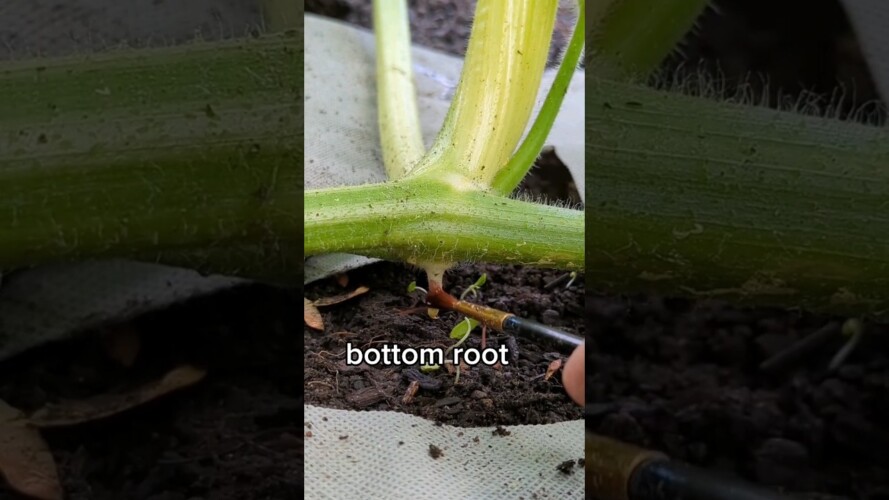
<point>429,368</point>
<point>472,289</point>
<point>412,287</point>
<point>481,281</point>
<point>463,328</point>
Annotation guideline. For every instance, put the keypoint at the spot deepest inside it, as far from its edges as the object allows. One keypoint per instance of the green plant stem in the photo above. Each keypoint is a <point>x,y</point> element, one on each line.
<point>399,120</point>
<point>630,38</point>
<point>509,177</point>
<point>736,202</point>
<point>421,220</point>
<point>185,156</point>
<point>499,84</point>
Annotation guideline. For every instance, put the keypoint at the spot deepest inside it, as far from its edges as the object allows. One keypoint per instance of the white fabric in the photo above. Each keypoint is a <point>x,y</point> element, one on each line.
<point>370,463</point>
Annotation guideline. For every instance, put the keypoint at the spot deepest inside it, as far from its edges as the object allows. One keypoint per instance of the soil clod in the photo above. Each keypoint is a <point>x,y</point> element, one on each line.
<point>566,467</point>
<point>500,431</point>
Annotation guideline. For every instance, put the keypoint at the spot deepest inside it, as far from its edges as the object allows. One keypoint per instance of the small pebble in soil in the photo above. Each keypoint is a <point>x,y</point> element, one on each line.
<point>435,452</point>
<point>550,317</point>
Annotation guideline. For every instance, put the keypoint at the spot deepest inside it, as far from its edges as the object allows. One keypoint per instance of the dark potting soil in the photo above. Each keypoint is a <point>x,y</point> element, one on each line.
<point>517,393</point>
<point>235,435</point>
<point>684,377</point>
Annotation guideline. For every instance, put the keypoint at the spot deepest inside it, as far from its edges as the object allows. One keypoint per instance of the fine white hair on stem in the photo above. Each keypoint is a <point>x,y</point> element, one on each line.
<point>842,103</point>
<point>528,197</point>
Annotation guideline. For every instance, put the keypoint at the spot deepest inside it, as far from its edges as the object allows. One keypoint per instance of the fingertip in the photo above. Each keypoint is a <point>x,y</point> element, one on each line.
<point>574,375</point>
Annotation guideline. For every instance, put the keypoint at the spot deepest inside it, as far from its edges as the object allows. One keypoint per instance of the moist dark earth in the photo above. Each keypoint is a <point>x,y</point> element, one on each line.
<point>684,377</point>
<point>517,393</point>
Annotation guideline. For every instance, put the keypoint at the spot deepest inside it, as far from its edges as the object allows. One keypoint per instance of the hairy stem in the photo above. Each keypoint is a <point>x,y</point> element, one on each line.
<point>423,220</point>
<point>186,155</point>
<point>737,202</point>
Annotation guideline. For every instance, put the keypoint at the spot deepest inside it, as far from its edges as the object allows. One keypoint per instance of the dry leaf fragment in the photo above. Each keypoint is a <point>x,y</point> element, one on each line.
<point>25,460</point>
<point>68,413</point>
<point>312,316</point>
<point>336,299</point>
<point>554,366</point>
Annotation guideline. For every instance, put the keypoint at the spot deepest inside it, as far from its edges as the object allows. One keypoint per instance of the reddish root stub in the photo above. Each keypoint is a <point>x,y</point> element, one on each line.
<point>488,317</point>
<point>440,299</point>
